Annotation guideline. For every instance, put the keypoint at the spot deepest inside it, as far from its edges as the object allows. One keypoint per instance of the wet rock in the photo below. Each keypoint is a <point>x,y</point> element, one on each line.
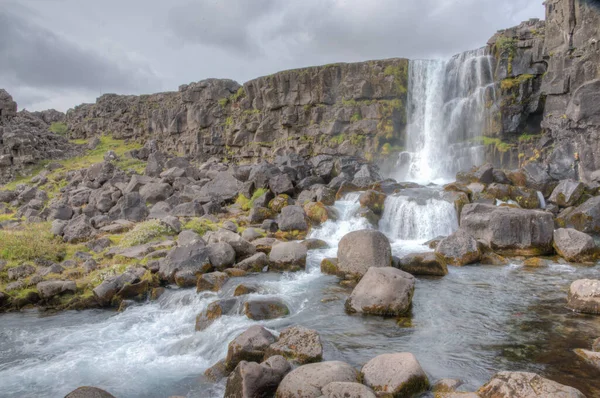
<point>288,256</point>
<point>591,357</point>
<point>214,311</point>
<point>329,266</point>
<point>525,385</point>
<point>254,263</point>
<point>339,389</point>
<point>248,346</point>
<point>460,248</point>
<point>382,291</point>
<point>292,218</point>
<point>373,200</point>
<point>317,213</point>
<point>399,375</point>
<point>89,392</point>
<point>584,296</point>
<point>509,231</point>
<point>250,379</point>
<point>299,344</point>
<point>446,385</point>
<point>423,264</point>
<point>574,246</point>
<point>213,281</point>
<point>360,250</point>
<point>314,244</point>
<point>264,309</point>
<point>567,193</point>
<point>243,289</point>
<point>49,289</point>
<point>217,372</point>
<point>307,381</point>
<point>183,264</point>
<point>221,255</point>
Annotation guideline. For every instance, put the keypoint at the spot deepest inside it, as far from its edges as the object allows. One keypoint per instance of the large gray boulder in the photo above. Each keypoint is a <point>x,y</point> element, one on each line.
<point>525,385</point>
<point>382,291</point>
<point>288,256</point>
<point>223,187</point>
<point>49,289</point>
<point>254,263</point>
<point>251,380</point>
<point>574,246</point>
<point>78,229</point>
<point>221,255</point>
<point>584,218</point>
<point>308,380</point>
<point>567,193</point>
<point>281,184</point>
<point>130,207</point>
<point>584,296</point>
<point>248,346</point>
<point>423,264</point>
<point>360,250</point>
<point>509,231</point>
<point>264,309</point>
<point>243,249</point>
<point>299,344</point>
<point>292,218</point>
<point>185,263</point>
<point>460,248</point>
<point>399,375</point>
<point>156,192</point>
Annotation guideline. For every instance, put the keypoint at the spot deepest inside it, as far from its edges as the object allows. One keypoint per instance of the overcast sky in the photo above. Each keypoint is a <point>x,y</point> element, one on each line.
<point>60,53</point>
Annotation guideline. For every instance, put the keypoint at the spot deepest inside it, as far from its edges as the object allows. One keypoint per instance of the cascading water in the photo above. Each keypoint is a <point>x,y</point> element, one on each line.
<point>448,105</point>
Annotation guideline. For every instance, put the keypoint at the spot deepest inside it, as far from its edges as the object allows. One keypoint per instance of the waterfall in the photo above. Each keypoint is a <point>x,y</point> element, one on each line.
<point>418,214</point>
<point>448,104</point>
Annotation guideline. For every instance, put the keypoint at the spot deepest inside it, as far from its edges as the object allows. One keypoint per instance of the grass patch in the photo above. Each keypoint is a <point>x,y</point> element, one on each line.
<point>241,93</point>
<point>356,117</point>
<point>34,241</point>
<point>59,128</point>
<point>496,142</point>
<point>200,226</point>
<point>528,137</point>
<point>510,83</point>
<point>248,203</point>
<point>223,102</point>
<point>145,232</point>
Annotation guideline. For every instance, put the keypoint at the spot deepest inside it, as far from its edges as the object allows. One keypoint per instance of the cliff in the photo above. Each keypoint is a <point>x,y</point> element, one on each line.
<point>348,109</point>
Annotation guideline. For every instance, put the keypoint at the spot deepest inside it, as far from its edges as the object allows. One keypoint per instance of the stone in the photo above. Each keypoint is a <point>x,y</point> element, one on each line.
<point>299,344</point>
<point>254,263</point>
<point>584,296</point>
<point>460,248</point>
<point>509,231</point>
<point>49,289</point>
<point>292,218</point>
<point>398,374</point>
<point>131,207</point>
<point>20,271</point>
<point>259,214</point>
<point>373,200</point>
<point>307,381</point>
<point>221,255</point>
<point>339,389</point>
<point>584,218</point>
<point>78,229</point>
<point>251,234</point>
<point>191,260</point>
<point>217,372</point>
<point>288,256</point>
<point>223,187</point>
<point>591,357</point>
<point>567,193</point>
<point>281,184</point>
<point>189,209</point>
<point>538,179</point>
<point>383,291</point>
<point>264,309</point>
<point>248,346</point>
<point>212,281</point>
<point>155,192</point>
<point>329,266</point>
<point>188,237</point>
<point>525,385</point>
<point>89,392</point>
<point>423,264</point>
<point>244,289</point>
<point>215,310</point>
<point>574,246</point>
<point>315,244</point>
<point>270,226</point>
<point>250,379</point>
<point>358,251</point>
<point>243,248</point>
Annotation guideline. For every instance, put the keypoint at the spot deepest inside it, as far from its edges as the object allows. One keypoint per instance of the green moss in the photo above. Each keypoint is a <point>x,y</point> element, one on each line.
<point>495,142</point>
<point>400,73</point>
<point>59,128</point>
<point>248,203</point>
<point>223,102</point>
<point>528,137</point>
<point>200,225</point>
<point>356,117</point>
<point>145,232</point>
<point>508,46</point>
<point>34,241</point>
<point>229,121</point>
<point>510,83</point>
<point>241,93</point>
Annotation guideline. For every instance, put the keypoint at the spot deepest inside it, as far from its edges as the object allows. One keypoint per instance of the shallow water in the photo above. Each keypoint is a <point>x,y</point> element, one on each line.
<point>469,324</point>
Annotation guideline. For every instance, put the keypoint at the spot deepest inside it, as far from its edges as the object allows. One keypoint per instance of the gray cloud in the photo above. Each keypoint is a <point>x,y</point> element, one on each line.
<point>34,56</point>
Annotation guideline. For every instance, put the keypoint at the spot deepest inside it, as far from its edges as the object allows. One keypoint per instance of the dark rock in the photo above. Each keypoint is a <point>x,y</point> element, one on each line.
<point>78,229</point>
<point>249,346</point>
<point>360,250</point>
<point>292,218</point>
<point>567,193</point>
<point>254,263</point>
<point>264,309</point>
<point>281,184</point>
<point>298,344</point>
<point>250,379</point>
<point>288,256</point>
<point>49,289</point>
<point>584,218</point>
<point>214,311</point>
<point>89,392</point>
<point>183,264</point>
<point>423,264</point>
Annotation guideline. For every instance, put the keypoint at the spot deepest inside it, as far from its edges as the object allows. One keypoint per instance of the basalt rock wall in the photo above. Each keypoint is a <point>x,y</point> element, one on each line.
<point>346,109</point>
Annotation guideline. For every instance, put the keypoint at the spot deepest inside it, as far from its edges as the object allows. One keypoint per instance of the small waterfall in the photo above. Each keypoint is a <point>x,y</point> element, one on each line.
<point>447,110</point>
<point>542,200</point>
<point>418,217</point>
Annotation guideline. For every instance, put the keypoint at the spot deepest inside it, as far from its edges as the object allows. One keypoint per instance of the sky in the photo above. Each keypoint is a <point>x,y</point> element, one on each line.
<point>60,53</point>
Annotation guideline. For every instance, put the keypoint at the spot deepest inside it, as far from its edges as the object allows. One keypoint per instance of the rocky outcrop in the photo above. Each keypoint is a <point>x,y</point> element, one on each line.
<point>350,109</point>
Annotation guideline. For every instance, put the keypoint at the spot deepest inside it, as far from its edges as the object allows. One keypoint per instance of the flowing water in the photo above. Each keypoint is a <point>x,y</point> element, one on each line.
<point>448,105</point>
<point>469,324</point>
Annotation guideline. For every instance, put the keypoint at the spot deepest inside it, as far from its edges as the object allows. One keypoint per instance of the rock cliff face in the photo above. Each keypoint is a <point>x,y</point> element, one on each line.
<point>348,109</point>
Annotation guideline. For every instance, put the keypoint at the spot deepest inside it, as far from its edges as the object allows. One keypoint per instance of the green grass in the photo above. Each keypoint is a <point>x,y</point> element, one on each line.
<point>510,83</point>
<point>400,73</point>
<point>34,241</point>
<point>145,232</point>
<point>59,128</point>
<point>248,203</point>
<point>356,117</point>
<point>496,142</point>
<point>241,93</point>
<point>223,102</point>
<point>528,137</point>
<point>200,226</point>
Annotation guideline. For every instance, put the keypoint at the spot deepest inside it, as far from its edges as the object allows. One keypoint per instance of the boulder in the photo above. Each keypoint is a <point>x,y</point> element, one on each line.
<point>299,344</point>
<point>242,248</point>
<point>307,381</point>
<point>78,229</point>
<point>188,237</point>
<point>509,231</point>
<point>525,385</point>
<point>584,218</point>
<point>373,200</point>
<point>221,255</point>
<point>259,214</point>
<point>292,218</point>
<point>183,264</point>
<point>212,281</point>
<point>130,207</point>
<point>244,289</point>
<point>398,375</point>
<point>49,289</point>
<point>288,256</point>
<point>249,346</point>
<point>567,193</point>
<point>223,187</point>
<point>537,178</point>
<point>156,192</point>
<point>591,357</point>
<point>584,296</point>
<point>382,291</point>
<point>89,392</point>
<point>254,263</point>
<point>360,250</point>
<point>341,389</point>
<point>574,246</point>
<point>251,380</point>
<point>460,248</point>
<point>213,311</point>
<point>264,309</point>
<point>251,234</point>
<point>20,271</point>
<point>188,209</point>
<point>281,184</point>
<point>423,264</point>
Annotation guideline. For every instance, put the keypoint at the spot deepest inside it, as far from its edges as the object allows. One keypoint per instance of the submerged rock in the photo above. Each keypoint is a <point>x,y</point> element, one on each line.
<point>259,310</point>
<point>89,392</point>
